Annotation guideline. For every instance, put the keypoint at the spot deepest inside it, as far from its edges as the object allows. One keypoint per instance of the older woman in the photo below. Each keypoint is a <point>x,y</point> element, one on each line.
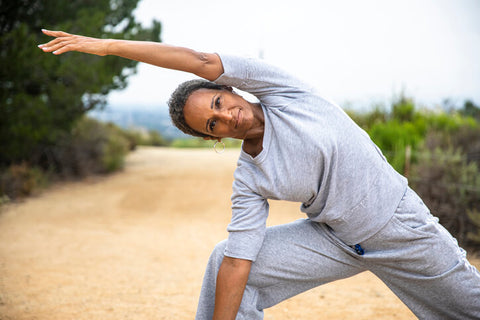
<point>298,146</point>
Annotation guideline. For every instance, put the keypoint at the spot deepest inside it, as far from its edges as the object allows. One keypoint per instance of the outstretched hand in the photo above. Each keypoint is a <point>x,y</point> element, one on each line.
<point>205,65</point>
<point>65,42</point>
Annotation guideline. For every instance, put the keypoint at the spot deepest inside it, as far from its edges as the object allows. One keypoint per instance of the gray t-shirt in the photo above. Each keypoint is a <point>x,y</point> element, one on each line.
<point>313,153</point>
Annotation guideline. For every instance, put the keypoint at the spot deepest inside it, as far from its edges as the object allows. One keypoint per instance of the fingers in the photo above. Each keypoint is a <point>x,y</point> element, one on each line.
<point>55,45</point>
<point>65,42</point>
<point>55,33</point>
<point>58,45</point>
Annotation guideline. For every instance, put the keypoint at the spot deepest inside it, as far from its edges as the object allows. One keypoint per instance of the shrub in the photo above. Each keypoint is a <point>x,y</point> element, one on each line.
<point>448,176</point>
<point>155,139</point>
<point>465,138</point>
<point>20,180</point>
<point>393,137</point>
<point>474,216</point>
<point>403,110</point>
<point>91,147</point>
<point>132,137</point>
<point>201,143</point>
<point>450,187</point>
<point>114,150</point>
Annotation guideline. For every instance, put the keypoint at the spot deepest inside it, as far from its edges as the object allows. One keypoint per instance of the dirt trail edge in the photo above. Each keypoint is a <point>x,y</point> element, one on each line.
<point>133,245</point>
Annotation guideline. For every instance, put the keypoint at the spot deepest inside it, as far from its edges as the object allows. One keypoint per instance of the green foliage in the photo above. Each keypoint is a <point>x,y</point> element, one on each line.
<point>403,109</point>
<point>42,95</point>
<point>114,152</point>
<point>149,138</point>
<point>155,139</point>
<point>449,122</point>
<point>20,180</point>
<point>201,143</point>
<point>136,137</point>
<point>474,216</point>
<point>471,110</point>
<point>465,139</point>
<point>445,159</point>
<point>406,127</point>
<point>450,186</point>
<point>368,119</point>
<point>393,137</point>
<point>131,137</point>
<point>90,147</point>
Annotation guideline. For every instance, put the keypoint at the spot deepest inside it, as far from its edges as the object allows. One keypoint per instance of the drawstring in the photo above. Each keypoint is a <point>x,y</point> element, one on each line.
<point>359,250</point>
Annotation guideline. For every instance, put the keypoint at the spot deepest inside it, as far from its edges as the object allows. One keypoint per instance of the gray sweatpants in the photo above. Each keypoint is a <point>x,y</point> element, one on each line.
<point>413,255</point>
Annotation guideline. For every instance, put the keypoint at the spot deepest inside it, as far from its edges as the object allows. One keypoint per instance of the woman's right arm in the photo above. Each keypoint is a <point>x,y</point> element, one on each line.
<point>205,65</point>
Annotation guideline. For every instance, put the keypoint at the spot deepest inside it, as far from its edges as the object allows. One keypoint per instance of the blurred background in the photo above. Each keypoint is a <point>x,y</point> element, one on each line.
<point>355,52</point>
<point>406,71</point>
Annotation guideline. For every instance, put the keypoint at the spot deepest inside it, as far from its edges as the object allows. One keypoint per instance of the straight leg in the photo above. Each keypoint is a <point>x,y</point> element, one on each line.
<point>423,265</point>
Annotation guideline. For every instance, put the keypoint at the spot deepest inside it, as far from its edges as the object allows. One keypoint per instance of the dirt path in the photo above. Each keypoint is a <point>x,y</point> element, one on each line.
<point>134,246</point>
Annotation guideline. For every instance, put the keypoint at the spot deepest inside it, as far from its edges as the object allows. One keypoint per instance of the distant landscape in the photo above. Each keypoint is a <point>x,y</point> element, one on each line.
<point>140,118</point>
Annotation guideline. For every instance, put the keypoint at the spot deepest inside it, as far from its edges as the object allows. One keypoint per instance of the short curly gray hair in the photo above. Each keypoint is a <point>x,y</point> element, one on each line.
<point>180,96</point>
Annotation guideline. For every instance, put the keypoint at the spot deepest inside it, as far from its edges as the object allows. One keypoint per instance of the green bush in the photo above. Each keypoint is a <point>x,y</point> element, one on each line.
<point>136,137</point>
<point>465,138</point>
<point>403,110</point>
<point>393,137</point>
<point>445,159</point>
<point>20,180</point>
<point>115,149</point>
<point>155,139</point>
<point>367,119</point>
<point>43,95</point>
<point>91,147</point>
<point>201,143</point>
<point>474,216</point>
<point>450,186</point>
<point>132,137</point>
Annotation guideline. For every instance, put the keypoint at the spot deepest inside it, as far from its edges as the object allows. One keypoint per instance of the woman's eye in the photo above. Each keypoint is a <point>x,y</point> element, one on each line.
<point>212,124</point>
<point>217,102</point>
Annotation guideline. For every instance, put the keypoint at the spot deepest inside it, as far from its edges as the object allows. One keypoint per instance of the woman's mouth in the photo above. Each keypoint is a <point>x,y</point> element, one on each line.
<point>238,120</point>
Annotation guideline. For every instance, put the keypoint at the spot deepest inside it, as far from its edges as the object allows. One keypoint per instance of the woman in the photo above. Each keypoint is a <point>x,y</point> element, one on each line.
<point>300,147</point>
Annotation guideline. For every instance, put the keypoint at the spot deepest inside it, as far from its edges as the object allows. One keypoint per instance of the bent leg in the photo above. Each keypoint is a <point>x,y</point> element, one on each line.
<point>294,257</point>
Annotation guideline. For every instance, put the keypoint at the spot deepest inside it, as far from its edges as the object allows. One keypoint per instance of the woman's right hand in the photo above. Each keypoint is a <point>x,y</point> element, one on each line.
<point>65,42</point>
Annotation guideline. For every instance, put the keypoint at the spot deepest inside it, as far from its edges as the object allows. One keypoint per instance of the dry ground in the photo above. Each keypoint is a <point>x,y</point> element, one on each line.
<point>134,245</point>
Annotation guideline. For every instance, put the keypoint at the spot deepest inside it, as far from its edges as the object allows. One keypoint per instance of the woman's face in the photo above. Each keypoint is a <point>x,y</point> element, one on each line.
<point>220,113</point>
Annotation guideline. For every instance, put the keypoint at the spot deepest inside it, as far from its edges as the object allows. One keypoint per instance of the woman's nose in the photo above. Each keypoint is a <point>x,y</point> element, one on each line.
<point>224,115</point>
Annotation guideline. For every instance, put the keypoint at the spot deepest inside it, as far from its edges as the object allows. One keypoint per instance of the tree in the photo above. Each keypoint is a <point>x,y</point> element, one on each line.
<point>471,110</point>
<point>41,95</point>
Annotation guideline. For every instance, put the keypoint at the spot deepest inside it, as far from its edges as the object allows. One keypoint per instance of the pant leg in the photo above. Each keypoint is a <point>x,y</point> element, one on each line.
<point>294,257</point>
<point>423,265</point>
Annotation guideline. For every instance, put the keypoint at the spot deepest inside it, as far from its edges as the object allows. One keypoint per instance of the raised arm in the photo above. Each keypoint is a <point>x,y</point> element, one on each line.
<point>205,65</point>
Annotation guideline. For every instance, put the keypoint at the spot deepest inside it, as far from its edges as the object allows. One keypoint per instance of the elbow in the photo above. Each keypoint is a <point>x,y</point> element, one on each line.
<point>236,263</point>
<point>210,66</point>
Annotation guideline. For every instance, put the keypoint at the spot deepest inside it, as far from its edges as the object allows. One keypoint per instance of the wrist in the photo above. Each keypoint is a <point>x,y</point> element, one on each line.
<point>108,47</point>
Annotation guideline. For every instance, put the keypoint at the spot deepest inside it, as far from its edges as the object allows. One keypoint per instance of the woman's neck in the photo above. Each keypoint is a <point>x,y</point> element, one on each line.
<point>252,144</point>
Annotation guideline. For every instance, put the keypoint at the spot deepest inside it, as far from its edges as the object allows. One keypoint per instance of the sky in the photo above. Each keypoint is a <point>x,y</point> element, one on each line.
<point>357,53</point>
